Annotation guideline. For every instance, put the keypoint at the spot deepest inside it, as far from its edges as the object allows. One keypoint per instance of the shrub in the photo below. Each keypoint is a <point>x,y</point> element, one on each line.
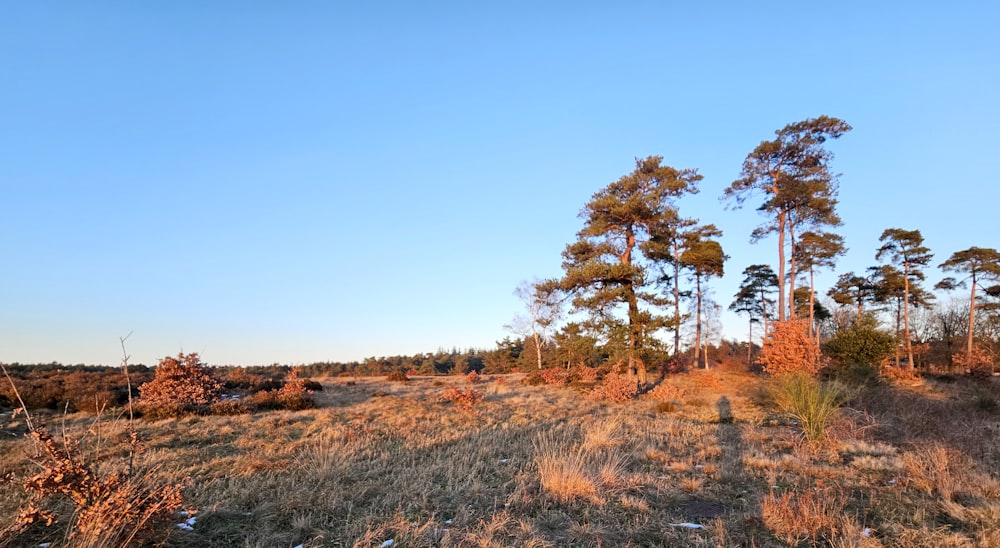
<point>533,379</point>
<point>182,384</point>
<point>788,348</point>
<point>110,510</point>
<point>584,374</point>
<point>230,407</point>
<point>397,376</point>
<point>978,363</point>
<point>313,386</point>
<point>295,394</point>
<point>473,377</point>
<point>664,392</point>
<point>810,402</point>
<point>555,375</point>
<point>616,388</point>
<point>466,400</point>
<point>861,344</point>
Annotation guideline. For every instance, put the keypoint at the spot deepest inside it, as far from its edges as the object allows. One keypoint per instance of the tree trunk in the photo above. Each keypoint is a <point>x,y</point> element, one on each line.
<point>763,307</point>
<point>750,341</point>
<point>792,313</point>
<point>972,316</point>
<point>677,300</point>
<point>697,336</point>
<point>781,267</point>
<point>812,305</point>
<point>538,347</point>
<point>898,322</point>
<point>636,366</point>
<point>906,315</point>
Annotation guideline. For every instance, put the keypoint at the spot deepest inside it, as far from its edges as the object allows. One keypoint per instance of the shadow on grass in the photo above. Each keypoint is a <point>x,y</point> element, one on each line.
<point>743,485</point>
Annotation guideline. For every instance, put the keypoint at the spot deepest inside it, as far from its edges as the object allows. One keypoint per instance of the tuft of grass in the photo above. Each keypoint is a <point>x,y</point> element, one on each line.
<point>809,516</point>
<point>564,474</point>
<point>986,400</point>
<point>568,473</point>
<point>811,403</point>
<point>666,407</point>
<point>603,434</point>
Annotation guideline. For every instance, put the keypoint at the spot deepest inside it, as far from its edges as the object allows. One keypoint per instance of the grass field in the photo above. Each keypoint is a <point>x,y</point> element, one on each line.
<point>902,465</point>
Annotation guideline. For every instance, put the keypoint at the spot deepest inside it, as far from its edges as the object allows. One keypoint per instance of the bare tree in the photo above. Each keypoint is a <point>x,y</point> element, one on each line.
<point>543,307</point>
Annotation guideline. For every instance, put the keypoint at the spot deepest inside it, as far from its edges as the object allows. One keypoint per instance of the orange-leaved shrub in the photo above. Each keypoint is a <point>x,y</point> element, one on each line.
<point>616,387</point>
<point>555,375</point>
<point>465,400</point>
<point>473,377</point>
<point>788,348</point>
<point>294,395</point>
<point>979,362</point>
<point>664,392</point>
<point>111,509</point>
<point>180,385</point>
<point>584,374</point>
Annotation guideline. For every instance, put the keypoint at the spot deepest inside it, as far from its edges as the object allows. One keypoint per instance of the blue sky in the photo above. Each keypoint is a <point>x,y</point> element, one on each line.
<point>301,181</point>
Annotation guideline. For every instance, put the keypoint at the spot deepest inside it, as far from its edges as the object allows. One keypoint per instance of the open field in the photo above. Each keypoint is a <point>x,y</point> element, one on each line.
<point>904,465</point>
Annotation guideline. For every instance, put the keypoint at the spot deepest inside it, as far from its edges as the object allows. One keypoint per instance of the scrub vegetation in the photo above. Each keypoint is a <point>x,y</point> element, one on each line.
<point>900,464</point>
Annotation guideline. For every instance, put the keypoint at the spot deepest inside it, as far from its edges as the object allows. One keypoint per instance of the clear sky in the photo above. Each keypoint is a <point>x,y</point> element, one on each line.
<point>302,181</point>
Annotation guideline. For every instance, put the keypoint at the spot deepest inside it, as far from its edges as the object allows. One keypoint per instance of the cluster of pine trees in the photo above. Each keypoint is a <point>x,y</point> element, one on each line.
<point>638,257</point>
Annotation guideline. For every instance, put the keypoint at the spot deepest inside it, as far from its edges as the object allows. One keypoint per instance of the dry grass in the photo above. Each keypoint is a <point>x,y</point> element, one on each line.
<point>541,466</point>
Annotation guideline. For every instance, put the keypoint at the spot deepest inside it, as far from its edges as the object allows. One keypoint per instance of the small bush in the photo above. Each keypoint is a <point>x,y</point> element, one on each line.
<point>295,394</point>
<point>313,386</point>
<point>466,400</point>
<point>584,374</point>
<point>180,385</point>
<point>473,377</point>
<point>788,348</point>
<point>616,388</point>
<point>978,363</point>
<point>810,402</point>
<point>533,379</point>
<point>861,345</point>
<point>664,392</point>
<point>555,375</point>
<point>397,376</point>
<point>109,509</point>
<point>231,407</point>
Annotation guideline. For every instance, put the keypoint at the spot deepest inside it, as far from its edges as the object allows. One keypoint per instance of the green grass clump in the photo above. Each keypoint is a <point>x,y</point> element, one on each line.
<point>809,402</point>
